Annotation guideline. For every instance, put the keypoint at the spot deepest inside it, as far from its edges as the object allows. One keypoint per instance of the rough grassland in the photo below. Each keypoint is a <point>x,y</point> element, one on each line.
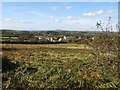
<point>55,66</point>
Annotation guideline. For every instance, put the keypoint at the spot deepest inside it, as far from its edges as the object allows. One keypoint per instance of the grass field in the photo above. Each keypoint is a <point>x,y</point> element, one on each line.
<point>9,37</point>
<point>35,66</point>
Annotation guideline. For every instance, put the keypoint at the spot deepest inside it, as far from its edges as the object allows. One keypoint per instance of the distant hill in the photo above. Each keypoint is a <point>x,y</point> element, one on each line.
<point>49,31</point>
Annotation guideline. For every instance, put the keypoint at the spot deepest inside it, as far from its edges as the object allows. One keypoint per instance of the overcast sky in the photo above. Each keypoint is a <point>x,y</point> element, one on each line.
<point>78,16</point>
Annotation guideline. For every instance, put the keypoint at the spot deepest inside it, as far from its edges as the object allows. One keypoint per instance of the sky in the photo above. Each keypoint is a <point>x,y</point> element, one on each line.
<point>59,0</point>
<point>73,16</point>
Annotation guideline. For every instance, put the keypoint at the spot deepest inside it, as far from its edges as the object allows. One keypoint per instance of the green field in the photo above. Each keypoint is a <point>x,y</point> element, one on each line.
<point>35,66</point>
<point>9,37</point>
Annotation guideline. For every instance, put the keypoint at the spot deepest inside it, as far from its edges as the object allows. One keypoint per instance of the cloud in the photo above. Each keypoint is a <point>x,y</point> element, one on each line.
<point>54,8</point>
<point>51,16</point>
<point>36,14</point>
<point>76,22</point>
<point>93,13</point>
<point>73,20</point>
<point>99,12</point>
<point>7,19</point>
<point>57,21</point>
<point>0,8</point>
<point>54,19</point>
<point>26,21</point>
<point>111,11</point>
<point>69,7</point>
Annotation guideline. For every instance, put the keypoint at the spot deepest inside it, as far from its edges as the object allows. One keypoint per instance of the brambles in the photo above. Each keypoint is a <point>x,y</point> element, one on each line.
<point>105,52</point>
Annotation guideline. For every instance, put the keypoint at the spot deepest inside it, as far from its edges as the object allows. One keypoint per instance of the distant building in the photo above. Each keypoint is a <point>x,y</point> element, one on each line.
<point>49,38</point>
<point>65,37</point>
<point>53,38</point>
<point>60,39</point>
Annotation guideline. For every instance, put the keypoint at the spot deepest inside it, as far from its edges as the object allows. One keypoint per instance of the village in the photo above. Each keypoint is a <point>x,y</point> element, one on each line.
<point>46,37</point>
<point>53,38</point>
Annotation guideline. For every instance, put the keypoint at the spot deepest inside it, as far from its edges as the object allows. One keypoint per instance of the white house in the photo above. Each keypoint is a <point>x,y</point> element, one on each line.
<point>65,37</point>
<point>60,39</point>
